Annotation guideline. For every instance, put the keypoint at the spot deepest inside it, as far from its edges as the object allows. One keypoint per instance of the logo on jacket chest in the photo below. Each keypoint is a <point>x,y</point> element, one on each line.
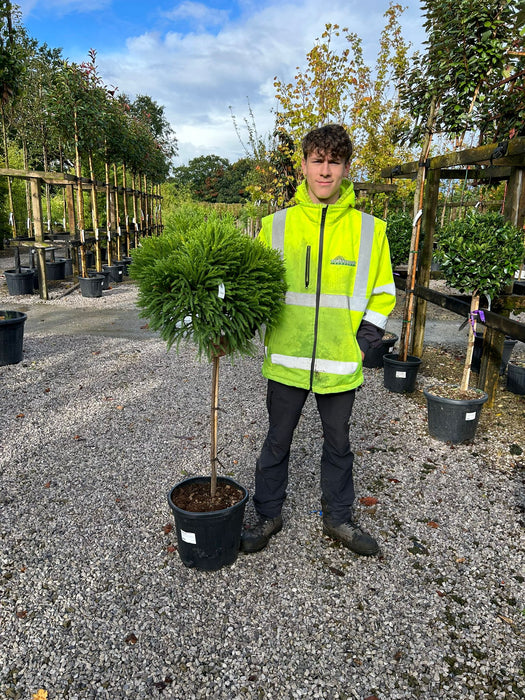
<point>339,260</point>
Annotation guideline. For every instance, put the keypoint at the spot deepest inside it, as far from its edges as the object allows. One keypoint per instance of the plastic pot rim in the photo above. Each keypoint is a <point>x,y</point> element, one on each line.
<point>205,479</point>
<point>458,402</point>
<point>12,316</point>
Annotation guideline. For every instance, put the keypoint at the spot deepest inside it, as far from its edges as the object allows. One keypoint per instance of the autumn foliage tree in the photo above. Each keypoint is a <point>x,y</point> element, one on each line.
<point>336,85</point>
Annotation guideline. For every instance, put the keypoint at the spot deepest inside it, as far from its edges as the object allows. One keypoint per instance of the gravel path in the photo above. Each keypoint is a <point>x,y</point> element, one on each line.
<point>95,602</point>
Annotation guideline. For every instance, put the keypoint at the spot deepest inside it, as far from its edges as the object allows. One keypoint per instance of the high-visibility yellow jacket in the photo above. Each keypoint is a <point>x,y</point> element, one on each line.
<point>338,273</point>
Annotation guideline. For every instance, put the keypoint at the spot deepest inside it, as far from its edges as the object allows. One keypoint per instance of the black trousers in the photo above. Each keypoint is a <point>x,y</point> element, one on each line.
<point>284,405</point>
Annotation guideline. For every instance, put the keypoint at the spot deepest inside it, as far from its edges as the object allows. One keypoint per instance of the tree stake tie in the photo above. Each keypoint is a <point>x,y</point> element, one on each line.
<point>473,315</point>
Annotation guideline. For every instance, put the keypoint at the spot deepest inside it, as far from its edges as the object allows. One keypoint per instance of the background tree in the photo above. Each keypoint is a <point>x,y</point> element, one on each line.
<point>472,48</point>
<point>11,70</point>
<point>337,86</point>
<point>203,175</point>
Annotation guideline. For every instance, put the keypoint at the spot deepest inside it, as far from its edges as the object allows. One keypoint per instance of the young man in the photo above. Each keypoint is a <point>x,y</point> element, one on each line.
<point>340,292</point>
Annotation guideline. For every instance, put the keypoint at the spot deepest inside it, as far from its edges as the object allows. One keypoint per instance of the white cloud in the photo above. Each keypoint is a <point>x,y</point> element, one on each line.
<point>198,13</point>
<point>197,76</point>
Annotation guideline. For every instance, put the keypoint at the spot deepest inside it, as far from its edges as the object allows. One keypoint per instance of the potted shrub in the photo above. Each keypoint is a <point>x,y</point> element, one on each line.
<point>208,283</point>
<point>478,255</point>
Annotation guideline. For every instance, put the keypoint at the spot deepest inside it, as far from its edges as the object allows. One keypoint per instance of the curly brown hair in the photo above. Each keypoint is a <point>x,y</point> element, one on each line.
<point>332,139</point>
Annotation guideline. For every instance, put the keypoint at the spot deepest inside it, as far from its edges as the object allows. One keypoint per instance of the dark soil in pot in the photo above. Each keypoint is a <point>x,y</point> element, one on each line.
<point>196,498</point>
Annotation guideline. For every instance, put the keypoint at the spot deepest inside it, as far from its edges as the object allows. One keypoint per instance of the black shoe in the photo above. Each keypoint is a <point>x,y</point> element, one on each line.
<point>351,536</point>
<point>258,536</point>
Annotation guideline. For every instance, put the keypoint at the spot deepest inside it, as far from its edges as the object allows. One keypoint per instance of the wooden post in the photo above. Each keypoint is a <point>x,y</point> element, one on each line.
<point>429,226</point>
<point>36,208</point>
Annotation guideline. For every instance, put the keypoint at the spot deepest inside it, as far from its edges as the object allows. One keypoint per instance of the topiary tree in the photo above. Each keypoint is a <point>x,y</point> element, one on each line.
<point>479,255</point>
<point>209,283</point>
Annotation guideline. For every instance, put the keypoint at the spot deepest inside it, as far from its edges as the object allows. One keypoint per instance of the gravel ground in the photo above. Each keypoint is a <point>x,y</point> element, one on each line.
<point>95,602</point>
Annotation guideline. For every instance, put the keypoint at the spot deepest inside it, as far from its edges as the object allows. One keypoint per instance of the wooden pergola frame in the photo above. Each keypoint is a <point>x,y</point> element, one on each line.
<point>492,162</point>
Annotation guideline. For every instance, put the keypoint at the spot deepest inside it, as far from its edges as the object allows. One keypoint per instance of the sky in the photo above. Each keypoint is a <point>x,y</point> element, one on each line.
<point>198,59</point>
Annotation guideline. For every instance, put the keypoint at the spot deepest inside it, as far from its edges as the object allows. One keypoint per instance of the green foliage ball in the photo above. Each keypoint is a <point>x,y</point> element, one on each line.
<point>480,253</point>
<point>207,280</point>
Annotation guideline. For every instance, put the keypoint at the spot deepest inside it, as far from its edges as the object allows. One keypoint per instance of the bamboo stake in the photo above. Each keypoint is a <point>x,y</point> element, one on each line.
<point>474,306</point>
<point>414,242</point>
<point>214,421</point>
<point>12,219</point>
<point>117,205</point>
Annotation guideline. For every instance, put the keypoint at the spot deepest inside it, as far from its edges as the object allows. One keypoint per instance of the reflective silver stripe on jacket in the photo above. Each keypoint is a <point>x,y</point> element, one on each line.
<point>365,256</point>
<point>278,224</point>
<point>320,365</point>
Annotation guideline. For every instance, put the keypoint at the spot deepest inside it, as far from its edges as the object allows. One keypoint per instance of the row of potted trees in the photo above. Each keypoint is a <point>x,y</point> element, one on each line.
<point>478,255</point>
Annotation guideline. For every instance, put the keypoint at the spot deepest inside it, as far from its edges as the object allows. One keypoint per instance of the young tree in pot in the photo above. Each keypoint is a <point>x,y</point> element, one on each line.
<point>478,255</point>
<point>209,283</point>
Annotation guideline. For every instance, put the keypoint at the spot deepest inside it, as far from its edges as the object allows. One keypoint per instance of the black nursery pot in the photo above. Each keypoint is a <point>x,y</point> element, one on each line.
<point>105,274</point>
<point>516,378</point>
<point>91,286</point>
<point>400,375</point>
<point>116,273</point>
<point>68,266</point>
<point>22,282</point>
<point>209,541</point>
<point>56,269</point>
<point>453,420</point>
<point>508,347</point>
<point>11,337</point>
<point>374,356</point>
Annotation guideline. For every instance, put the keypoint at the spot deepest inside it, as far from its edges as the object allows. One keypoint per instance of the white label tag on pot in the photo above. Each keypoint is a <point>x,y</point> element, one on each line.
<point>470,416</point>
<point>222,291</point>
<point>188,537</point>
<point>401,375</point>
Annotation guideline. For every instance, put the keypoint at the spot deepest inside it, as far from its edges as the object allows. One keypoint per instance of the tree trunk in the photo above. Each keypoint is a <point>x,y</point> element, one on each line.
<point>80,202</point>
<point>214,420</point>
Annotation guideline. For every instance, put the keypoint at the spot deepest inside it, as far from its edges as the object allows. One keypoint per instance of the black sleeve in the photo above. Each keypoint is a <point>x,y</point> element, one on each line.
<point>369,336</point>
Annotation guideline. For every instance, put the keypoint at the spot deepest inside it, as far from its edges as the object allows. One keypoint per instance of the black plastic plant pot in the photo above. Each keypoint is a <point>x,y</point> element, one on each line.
<point>116,273</point>
<point>22,282</point>
<point>208,541</point>
<point>11,337</point>
<point>91,286</point>
<point>68,266</point>
<point>104,273</point>
<point>453,420</point>
<point>516,378</point>
<point>55,270</point>
<point>374,356</point>
<point>90,258</point>
<point>122,264</point>
<point>400,376</point>
<point>508,346</point>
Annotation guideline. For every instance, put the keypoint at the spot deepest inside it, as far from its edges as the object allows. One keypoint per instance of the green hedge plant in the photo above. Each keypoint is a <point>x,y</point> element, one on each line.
<point>479,255</point>
<point>207,282</point>
<point>399,234</point>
